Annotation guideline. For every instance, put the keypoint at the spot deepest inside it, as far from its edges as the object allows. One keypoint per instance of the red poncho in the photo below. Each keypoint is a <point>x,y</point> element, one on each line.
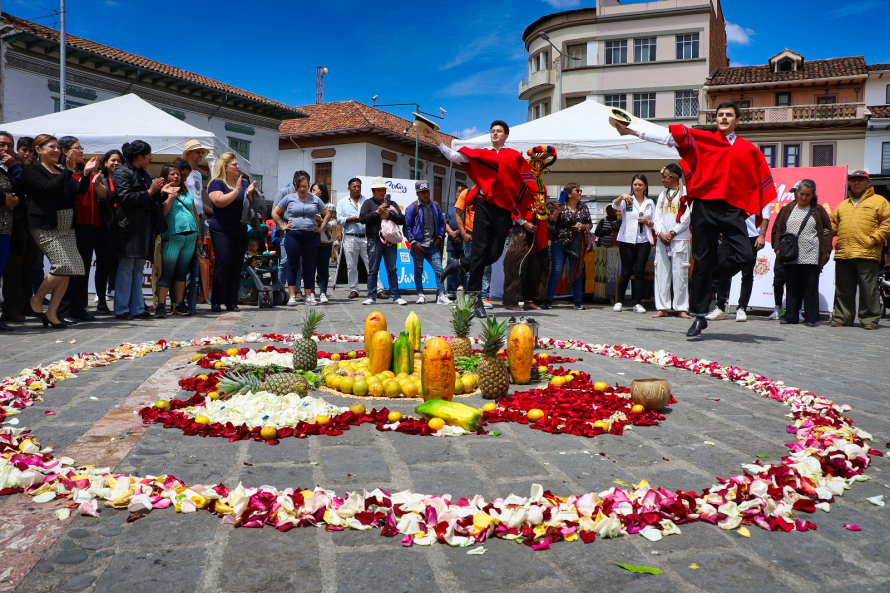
<point>503,178</point>
<point>717,170</point>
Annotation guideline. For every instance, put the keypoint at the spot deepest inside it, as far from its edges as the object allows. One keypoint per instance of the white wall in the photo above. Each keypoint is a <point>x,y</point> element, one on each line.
<point>874,140</point>
<point>876,88</point>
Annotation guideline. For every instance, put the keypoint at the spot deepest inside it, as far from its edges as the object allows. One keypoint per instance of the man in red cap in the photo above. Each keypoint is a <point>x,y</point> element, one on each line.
<point>505,189</point>
<point>727,180</point>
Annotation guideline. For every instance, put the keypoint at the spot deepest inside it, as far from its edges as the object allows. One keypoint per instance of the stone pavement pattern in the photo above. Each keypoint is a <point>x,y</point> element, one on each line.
<point>172,552</point>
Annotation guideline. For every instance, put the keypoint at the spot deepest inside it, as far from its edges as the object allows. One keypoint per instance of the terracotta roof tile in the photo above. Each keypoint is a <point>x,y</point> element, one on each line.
<point>349,115</point>
<point>812,69</point>
<point>878,67</point>
<point>138,61</point>
<point>880,111</point>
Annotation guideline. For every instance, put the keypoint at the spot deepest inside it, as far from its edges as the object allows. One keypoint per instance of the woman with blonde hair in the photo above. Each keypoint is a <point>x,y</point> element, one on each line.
<point>227,192</point>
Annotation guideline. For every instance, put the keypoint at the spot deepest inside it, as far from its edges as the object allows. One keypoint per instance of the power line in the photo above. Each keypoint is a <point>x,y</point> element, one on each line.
<point>35,6</point>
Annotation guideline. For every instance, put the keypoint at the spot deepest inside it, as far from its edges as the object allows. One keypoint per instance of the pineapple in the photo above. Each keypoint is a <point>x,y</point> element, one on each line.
<point>276,383</point>
<point>234,382</point>
<point>305,349</point>
<point>461,321</point>
<point>494,379</point>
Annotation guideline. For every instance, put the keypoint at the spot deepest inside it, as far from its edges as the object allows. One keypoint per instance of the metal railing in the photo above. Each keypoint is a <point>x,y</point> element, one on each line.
<point>792,114</point>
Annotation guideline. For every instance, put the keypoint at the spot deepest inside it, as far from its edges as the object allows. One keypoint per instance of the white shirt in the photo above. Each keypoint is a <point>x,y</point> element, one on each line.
<point>753,231</point>
<point>629,231</point>
<point>667,138</point>
<point>458,157</point>
<point>666,215</point>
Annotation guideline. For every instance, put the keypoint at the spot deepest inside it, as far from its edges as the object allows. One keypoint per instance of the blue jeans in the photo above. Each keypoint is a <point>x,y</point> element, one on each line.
<point>557,265</point>
<point>323,266</point>
<point>377,251</point>
<point>282,263</point>
<point>434,256</point>
<point>301,246</point>
<point>457,278</point>
<point>128,286</point>
<point>486,277</point>
<point>192,287</point>
<point>5,242</point>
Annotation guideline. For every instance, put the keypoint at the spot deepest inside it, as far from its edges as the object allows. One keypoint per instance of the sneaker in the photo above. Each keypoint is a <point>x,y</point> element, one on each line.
<point>310,300</point>
<point>299,296</point>
<point>800,315</point>
<point>740,315</point>
<point>716,315</point>
<point>292,301</point>
<point>617,308</point>
<point>421,299</point>
<point>443,300</point>
<point>96,299</point>
<point>776,312</point>
<point>639,309</point>
<point>102,308</point>
<point>160,311</point>
<point>487,304</point>
<point>110,294</point>
<point>452,295</point>
<point>181,309</point>
<point>369,302</point>
<point>579,307</point>
<point>399,301</point>
<point>322,298</point>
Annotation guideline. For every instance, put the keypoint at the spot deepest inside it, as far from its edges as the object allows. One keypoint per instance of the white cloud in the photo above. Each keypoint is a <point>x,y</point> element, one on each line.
<point>498,81</point>
<point>496,45</point>
<point>469,133</point>
<point>563,3</point>
<point>738,34</point>
<point>851,8</point>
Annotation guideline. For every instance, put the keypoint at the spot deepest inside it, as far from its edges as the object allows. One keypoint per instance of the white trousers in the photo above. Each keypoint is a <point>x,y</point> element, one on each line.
<point>356,247</point>
<point>672,270</point>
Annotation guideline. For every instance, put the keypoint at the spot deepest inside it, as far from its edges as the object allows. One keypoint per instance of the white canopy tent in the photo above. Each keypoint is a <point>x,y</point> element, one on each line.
<point>106,125</point>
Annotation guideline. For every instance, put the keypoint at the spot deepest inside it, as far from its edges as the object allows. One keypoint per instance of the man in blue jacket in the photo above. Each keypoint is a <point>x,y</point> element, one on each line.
<point>425,231</point>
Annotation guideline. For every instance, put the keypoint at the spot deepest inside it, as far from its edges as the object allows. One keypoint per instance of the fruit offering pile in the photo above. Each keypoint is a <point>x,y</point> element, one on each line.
<point>354,377</point>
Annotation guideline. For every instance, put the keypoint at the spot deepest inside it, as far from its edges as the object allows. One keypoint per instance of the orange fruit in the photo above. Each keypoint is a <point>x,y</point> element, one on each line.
<point>322,419</point>
<point>219,364</point>
<point>352,354</point>
<point>346,384</point>
<point>436,424</point>
<point>213,395</point>
<point>402,375</point>
<point>232,352</point>
<point>163,405</point>
<point>394,417</point>
<point>389,374</point>
<point>489,407</point>
<point>601,424</point>
<point>376,389</point>
<point>202,420</point>
<point>329,379</point>
<point>202,377</point>
<point>360,387</point>
<point>557,381</point>
<point>637,409</point>
<point>392,388</point>
<point>535,414</point>
<point>409,388</point>
<point>335,357</point>
<point>419,385</point>
<point>600,386</point>
<point>543,355</point>
<point>335,380</point>
<point>568,378</point>
<point>197,357</point>
<point>268,432</point>
<point>357,408</point>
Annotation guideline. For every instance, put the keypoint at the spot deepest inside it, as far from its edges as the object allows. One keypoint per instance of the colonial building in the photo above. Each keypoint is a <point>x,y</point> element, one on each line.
<point>29,87</point>
<point>801,113</point>
<point>877,134</point>
<point>649,58</point>
<point>345,139</point>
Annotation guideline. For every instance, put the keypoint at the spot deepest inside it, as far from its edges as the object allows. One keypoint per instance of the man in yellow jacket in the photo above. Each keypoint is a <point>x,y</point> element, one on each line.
<point>862,225</point>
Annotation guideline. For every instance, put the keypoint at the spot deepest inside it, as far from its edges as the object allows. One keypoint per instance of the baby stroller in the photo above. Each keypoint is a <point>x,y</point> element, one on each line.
<point>260,284</point>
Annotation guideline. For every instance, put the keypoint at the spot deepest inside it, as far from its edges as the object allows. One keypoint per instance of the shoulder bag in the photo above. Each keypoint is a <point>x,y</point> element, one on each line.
<point>788,249</point>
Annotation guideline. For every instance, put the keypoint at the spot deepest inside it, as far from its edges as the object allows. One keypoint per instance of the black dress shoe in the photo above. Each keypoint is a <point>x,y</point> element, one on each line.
<point>451,267</point>
<point>810,324</point>
<point>353,295</point>
<point>215,309</point>
<point>144,315</point>
<point>124,317</point>
<point>102,308</point>
<point>85,316</point>
<point>234,308</point>
<point>579,307</point>
<point>698,324</point>
<point>6,328</point>
<point>547,305</point>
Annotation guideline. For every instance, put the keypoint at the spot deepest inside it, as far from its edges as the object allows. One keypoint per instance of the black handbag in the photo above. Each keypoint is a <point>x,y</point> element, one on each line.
<point>573,249</point>
<point>788,249</point>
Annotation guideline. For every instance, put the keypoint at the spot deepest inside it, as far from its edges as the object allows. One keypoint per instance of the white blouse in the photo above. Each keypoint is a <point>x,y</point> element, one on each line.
<point>630,228</point>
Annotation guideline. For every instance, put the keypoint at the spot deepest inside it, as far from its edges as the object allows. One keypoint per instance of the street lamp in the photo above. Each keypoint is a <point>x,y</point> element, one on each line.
<point>416,131</point>
<point>546,38</point>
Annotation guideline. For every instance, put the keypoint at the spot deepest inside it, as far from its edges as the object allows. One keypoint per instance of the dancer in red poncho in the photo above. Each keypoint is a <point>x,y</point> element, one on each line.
<point>727,179</point>
<point>505,189</point>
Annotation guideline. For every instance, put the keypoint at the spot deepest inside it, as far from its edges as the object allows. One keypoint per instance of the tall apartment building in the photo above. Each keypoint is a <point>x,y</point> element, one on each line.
<point>650,58</point>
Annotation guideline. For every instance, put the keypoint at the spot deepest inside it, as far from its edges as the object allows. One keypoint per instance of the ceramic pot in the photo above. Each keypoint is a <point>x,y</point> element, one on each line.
<point>652,394</point>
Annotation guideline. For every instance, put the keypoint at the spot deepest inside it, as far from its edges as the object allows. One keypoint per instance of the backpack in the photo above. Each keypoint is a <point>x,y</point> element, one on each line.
<point>390,233</point>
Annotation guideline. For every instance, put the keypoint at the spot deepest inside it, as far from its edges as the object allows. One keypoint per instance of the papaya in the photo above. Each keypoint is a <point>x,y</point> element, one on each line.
<point>402,355</point>
<point>453,413</point>
<point>520,353</point>
<point>437,370</point>
<point>412,326</point>
<point>373,323</point>
<point>380,352</point>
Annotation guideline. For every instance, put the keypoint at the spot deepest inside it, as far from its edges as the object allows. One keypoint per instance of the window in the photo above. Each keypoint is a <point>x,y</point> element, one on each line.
<point>826,100</point>
<point>783,99</point>
<point>616,101</point>
<point>687,46</point>
<point>538,111</point>
<point>241,147</point>
<point>388,170</point>
<point>57,105</point>
<point>769,153</point>
<point>823,155</point>
<point>572,101</point>
<point>323,173</point>
<point>538,62</point>
<point>438,182</point>
<point>686,104</point>
<point>577,55</point>
<point>644,50</point>
<point>743,104</point>
<point>792,155</point>
<point>786,65</point>
<point>644,105</point>
<point>887,98</point>
<point>616,52</point>
<point>885,157</point>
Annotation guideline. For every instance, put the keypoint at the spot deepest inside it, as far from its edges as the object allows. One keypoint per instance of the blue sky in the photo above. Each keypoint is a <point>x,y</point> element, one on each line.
<point>466,57</point>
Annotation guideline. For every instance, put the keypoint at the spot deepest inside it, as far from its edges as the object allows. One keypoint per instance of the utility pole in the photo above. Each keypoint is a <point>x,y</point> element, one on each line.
<point>319,84</point>
<point>62,59</point>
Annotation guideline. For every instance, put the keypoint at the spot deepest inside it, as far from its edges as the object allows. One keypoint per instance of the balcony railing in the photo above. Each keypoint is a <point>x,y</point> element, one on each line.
<point>756,116</point>
<point>537,81</point>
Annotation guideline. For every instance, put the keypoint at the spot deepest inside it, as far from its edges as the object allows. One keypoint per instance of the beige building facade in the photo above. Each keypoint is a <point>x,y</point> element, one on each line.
<point>649,58</point>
